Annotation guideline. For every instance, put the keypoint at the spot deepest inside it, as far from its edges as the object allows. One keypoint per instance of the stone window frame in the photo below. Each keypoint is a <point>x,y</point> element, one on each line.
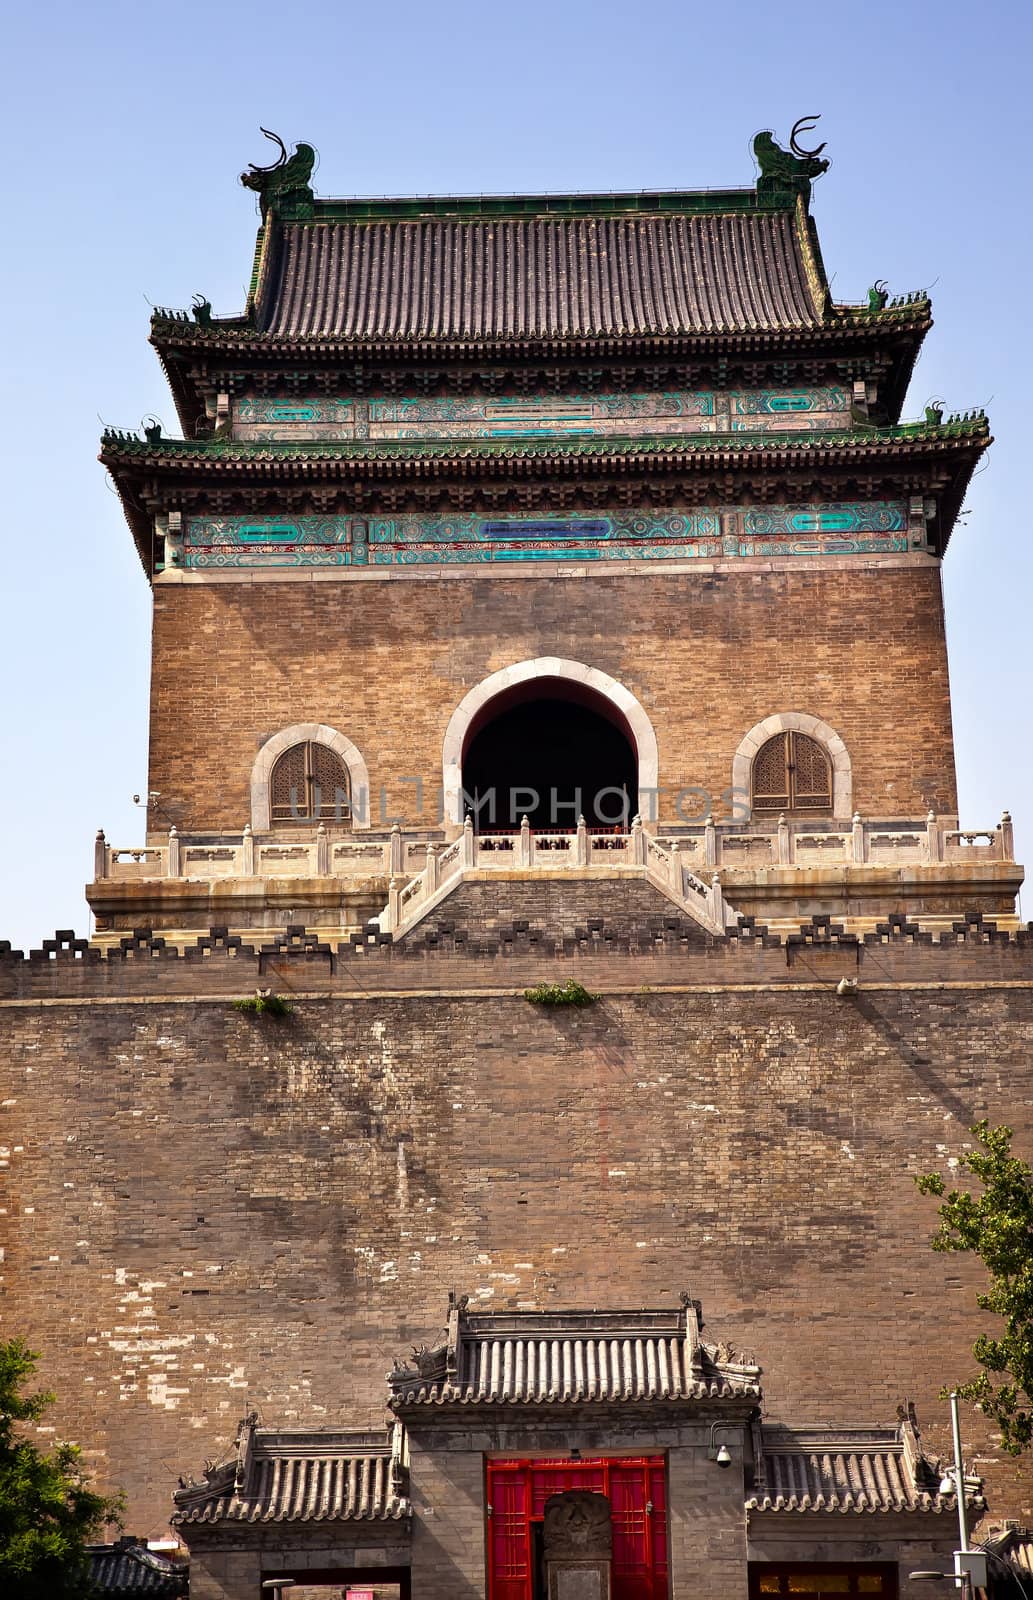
<point>620,697</point>
<point>308,733</point>
<point>794,722</point>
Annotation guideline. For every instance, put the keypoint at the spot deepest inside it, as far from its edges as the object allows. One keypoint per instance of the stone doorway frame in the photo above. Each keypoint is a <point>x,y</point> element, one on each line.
<point>631,711</point>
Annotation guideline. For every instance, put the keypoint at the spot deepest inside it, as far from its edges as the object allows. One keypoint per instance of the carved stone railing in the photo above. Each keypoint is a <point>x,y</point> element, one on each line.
<point>819,844</point>
<point>314,856</point>
<point>531,852</point>
<point>701,850</point>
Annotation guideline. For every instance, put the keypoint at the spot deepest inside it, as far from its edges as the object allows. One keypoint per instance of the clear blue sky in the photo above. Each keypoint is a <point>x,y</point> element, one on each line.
<point>128,124</point>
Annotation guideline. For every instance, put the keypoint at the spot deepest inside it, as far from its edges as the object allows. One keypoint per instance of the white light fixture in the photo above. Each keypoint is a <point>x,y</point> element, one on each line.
<point>724,1456</point>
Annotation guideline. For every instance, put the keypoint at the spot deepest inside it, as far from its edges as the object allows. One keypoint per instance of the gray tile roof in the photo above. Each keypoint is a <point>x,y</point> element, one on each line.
<point>128,1568</point>
<point>308,1476</point>
<point>536,1358</point>
<point>538,278</point>
<point>1013,1544</point>
<point>849,1470</point>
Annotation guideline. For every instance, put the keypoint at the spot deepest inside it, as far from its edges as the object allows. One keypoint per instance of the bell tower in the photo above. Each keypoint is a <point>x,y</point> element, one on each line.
<point>554,532</point>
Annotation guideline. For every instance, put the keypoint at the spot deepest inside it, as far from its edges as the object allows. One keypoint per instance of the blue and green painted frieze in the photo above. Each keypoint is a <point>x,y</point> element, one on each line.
<point>296,419</point>
<point>879,527</point>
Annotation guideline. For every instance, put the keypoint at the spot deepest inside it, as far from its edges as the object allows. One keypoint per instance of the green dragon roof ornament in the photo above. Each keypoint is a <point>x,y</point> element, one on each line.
<point>788,172</point>
<point>285,182</point>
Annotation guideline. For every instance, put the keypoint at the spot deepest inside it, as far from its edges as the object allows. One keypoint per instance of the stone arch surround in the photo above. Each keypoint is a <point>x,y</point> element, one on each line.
<point>631,710</point>
<point>797,722</point>
<point>312,733</point>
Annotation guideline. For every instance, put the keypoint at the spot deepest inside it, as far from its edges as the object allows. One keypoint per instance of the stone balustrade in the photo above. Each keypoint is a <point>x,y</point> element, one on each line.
<point>547,852</point>
<point>314,856</point>
<point>702,849</point>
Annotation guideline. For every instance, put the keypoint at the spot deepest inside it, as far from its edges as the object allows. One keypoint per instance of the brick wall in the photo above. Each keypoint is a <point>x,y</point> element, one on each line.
<point>210,1210</point>
<point>708,655</point>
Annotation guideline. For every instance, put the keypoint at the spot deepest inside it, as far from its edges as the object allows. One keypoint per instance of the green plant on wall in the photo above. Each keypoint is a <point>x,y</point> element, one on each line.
<point>264,1003</point>
<point>570,993</point>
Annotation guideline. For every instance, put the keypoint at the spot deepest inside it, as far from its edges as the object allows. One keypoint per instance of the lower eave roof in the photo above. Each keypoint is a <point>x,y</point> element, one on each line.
<point>783,450</point>
<point>162,467</point>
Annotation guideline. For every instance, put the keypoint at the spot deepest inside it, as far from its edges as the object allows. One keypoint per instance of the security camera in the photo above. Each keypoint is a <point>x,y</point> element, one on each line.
<point>136,799</point>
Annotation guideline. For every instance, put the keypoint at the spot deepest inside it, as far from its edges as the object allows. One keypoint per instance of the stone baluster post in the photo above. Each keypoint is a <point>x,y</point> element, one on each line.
<point>638,842</point>
<point>581,844</point>
<point>858,839</point>
<point>1007,837</point>
<point>247,852</point>
<point>525,854</point>
<point>784,842</point>
<point>469,854</point>
<point>172,867</point>
<point>322,852</point>
<point>430,871</point>
<point>675,869</point>
<point>716,901</point>
<point>395,863</point>
<point>100,856</point>
<point>933,839</point>
<point>709,842</point>
<point>394,904</point>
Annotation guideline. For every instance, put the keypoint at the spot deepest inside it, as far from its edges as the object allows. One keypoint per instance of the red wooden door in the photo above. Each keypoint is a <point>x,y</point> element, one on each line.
<point>637,1491</point>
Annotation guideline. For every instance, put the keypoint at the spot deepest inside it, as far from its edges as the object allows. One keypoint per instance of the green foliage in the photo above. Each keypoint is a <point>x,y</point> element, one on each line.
<point>570,993</point>
<point>264,1003</point>
<point>996,1225</point>
<point>47,1512</point>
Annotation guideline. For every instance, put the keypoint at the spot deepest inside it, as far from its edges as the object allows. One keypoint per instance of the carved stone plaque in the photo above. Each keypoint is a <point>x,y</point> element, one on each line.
<point>581,1583</point>
<point>577,1539</point>
<point>577,1524</point>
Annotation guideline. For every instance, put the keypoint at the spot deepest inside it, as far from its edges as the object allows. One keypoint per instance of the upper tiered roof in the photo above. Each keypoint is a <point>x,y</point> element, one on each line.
<point>614,271</point>
<point>692,276</point>
<point>701,292</point>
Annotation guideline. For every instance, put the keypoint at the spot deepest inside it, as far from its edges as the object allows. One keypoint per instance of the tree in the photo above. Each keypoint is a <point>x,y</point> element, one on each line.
<point>996,1225</point>
<point>47,1511</point>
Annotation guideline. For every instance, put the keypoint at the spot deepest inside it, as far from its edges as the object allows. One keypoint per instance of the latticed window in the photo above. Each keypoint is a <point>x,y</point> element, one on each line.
<point>309,783</point>
<point>792,772</point>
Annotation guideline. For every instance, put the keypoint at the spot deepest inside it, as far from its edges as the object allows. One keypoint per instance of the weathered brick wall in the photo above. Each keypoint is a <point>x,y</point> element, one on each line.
<point>708,655</point>
<point>208,1210</point>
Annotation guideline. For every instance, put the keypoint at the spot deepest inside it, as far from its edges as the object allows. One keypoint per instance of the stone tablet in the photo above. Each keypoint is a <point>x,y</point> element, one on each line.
<point>579,1583</point>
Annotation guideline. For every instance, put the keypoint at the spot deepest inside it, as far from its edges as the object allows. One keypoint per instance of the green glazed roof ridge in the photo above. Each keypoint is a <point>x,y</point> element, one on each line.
<point>971,424</point>
<point>631,202</point>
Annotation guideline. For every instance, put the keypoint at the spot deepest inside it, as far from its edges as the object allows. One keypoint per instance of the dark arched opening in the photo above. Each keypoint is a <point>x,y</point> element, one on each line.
<point>551,751</point>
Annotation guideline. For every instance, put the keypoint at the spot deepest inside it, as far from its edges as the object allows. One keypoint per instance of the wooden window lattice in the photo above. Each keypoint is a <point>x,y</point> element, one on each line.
<point>791,772</point>
<point>309,783</point>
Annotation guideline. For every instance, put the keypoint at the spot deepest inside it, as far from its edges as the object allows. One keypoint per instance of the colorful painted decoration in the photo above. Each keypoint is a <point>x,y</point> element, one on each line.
<point>545,416</point>
<point>861,528</point>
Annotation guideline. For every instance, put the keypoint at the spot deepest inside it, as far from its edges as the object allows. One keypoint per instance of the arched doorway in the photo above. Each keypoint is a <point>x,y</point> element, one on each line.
<point>551,677</point>
<point>551,750</point>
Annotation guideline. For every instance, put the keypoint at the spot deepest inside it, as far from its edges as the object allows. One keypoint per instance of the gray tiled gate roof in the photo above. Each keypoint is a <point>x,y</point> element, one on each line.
<point>310,1476</point>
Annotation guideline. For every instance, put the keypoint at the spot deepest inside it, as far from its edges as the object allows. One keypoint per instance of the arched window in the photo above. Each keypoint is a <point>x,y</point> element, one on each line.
<point>791,772</point>
<point>309,783</point>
